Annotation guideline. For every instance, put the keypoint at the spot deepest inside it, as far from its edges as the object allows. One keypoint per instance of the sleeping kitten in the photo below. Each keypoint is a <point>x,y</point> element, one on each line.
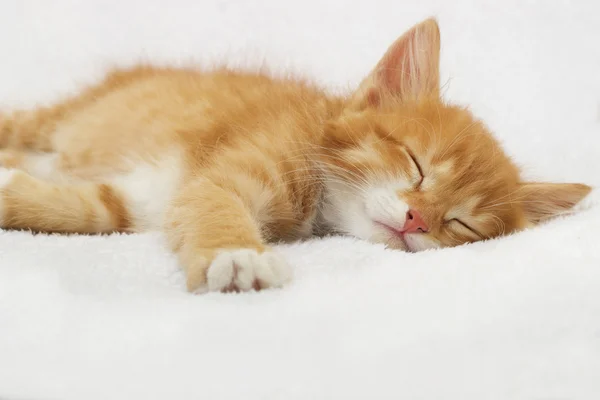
<point>226,162</point>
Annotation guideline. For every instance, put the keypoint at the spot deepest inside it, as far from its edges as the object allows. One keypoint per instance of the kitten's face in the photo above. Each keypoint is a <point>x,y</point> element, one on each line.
<point>405,169</point>
<point>419,177</point>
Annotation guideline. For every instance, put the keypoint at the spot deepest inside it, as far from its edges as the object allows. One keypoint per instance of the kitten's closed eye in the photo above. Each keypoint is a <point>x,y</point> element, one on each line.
<point>417,165</point>
<point>466,226</point>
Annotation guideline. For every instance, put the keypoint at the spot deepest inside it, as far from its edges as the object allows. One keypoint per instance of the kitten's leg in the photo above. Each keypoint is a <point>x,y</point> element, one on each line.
<point>30,203</point>
<point>215,233</point>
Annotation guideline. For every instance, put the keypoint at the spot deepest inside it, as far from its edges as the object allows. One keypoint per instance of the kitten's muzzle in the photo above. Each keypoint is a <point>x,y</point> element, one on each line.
<point>414,223</point>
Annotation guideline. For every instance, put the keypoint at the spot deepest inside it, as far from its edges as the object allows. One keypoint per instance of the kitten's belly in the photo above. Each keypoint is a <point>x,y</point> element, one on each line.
<point>149,189</point>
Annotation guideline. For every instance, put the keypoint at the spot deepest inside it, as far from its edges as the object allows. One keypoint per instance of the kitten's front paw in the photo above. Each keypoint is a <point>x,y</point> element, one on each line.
<point>246,269</point>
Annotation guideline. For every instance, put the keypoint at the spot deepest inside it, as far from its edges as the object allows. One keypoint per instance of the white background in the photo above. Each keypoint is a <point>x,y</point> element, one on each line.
<point>516,318</point>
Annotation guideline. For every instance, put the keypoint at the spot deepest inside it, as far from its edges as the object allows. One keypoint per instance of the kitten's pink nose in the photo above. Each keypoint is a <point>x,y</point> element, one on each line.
<point>414,223</point>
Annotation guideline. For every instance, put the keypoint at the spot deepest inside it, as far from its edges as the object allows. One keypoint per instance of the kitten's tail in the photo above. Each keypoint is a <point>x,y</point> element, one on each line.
<point>30,203</point>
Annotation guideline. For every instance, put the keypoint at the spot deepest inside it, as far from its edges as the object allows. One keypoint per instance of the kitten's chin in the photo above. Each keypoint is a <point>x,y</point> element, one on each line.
<point>389,238</point>
<point>410,242</point>
<point>374,232</point>
<point>420,242</point>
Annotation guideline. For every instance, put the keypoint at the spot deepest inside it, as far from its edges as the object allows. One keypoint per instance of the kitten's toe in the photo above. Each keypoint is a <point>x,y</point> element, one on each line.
<point>246,269</point>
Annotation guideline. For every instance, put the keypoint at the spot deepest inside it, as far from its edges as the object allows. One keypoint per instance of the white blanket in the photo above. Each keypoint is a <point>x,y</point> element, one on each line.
<point>514,318</point>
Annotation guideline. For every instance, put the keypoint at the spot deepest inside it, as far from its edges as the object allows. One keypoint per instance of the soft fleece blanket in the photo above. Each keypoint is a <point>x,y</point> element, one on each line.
<point>514,318</point>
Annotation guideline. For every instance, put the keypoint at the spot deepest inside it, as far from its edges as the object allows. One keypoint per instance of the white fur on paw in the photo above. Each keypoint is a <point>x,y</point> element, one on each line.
<point>245,269</point>
<point>6,176</point>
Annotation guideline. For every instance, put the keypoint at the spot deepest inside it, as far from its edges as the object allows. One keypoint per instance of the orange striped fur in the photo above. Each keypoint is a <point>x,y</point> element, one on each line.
<point>228,162</point>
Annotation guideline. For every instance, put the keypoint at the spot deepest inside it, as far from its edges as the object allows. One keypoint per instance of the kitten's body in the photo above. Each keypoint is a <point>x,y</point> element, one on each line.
<point>147,132</point>
<point>226,162</point>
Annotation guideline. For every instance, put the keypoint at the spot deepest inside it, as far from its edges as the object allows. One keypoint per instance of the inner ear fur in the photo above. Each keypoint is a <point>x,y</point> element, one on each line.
<point>408,70</point>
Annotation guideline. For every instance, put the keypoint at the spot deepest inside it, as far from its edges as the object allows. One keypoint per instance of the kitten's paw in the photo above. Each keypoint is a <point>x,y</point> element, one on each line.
<point>6,175</point>
<point>246,269</point>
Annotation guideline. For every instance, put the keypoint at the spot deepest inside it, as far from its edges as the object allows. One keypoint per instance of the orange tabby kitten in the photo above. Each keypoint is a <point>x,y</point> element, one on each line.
<point>226,162</point>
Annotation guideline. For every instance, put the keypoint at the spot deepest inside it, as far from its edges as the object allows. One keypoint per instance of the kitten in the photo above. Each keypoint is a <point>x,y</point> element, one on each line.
<point>226,162</point>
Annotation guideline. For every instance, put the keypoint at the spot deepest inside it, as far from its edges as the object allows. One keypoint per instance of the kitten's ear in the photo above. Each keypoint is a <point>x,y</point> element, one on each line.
<point>542,201</point>
<point>408,70</point>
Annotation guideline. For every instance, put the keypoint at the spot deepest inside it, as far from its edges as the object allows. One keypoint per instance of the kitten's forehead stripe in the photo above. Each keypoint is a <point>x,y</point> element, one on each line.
<point>444,168</point>
<point>465,209</point>
<point>436,173</point>
<point>429,182</point>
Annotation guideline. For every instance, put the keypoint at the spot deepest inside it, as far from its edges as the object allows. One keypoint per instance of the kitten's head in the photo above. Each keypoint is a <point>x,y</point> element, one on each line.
<point>406,169</point>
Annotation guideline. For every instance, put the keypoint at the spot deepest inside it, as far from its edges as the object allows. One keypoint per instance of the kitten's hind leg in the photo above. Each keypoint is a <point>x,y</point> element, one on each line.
<point>30,203</point>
